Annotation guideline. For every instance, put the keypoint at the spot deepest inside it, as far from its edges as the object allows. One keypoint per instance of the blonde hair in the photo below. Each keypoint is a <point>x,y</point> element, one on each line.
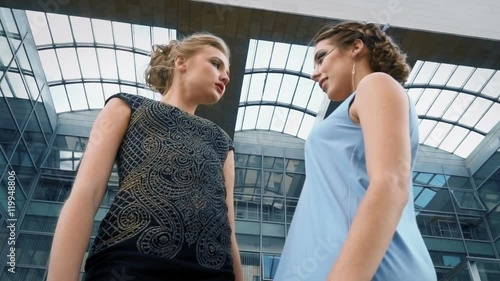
<point>385,56</point>
<point>160,71</point>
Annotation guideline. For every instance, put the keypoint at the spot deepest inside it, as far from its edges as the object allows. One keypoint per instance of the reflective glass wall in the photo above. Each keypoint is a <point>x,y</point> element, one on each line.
<point>26,130</point>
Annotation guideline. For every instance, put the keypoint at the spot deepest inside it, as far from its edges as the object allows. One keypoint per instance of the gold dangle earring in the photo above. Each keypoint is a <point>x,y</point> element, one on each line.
<point>353,72</point>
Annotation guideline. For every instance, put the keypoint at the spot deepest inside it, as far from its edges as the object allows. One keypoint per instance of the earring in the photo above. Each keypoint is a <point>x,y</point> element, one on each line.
<point>353,71</point>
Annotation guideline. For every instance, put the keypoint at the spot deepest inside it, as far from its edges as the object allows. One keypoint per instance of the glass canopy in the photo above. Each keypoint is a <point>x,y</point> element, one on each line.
<point>457,105</point>
<point>87,60</point>
<point>277,92</point>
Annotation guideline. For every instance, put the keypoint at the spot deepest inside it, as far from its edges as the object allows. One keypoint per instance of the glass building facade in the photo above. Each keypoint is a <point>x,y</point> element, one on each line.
<point>42,141</point>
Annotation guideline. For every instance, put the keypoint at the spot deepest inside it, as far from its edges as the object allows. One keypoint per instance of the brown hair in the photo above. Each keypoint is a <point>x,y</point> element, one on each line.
<point>160,70</point>
<point>385,55</point>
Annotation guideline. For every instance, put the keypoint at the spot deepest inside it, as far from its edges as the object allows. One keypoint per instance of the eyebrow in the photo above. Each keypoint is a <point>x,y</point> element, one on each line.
<point>318,54</point>
<point>227,66</point>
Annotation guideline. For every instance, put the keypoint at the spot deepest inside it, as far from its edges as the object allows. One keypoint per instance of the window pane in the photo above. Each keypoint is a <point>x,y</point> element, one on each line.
<point>39,27</point>
<point>294,184</point>
<point>60,28</point>
<point>435,199</point>
<point>82,30</point>
<point>438,225</point>
<point>459,182</point>
<point>273,209</point>
<point>126,65</point>
<point>88,63</point>
<point>122,33</point>
<point>107,64</point>
<point>142,37</point>
<point>473,228</point>
<point>33,249</point>
<point>467,200</point>
<point>6,53</point>
<point>69,63</point>
<point>270,265</point>
<point>102,31</point>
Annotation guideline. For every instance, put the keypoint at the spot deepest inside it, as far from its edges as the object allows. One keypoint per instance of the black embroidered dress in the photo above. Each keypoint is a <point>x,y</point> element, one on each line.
<point>169,219</point>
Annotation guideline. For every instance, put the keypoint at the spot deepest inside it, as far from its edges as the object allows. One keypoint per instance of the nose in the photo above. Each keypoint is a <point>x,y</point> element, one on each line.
<point>315,74</point>
<point>224,78</point>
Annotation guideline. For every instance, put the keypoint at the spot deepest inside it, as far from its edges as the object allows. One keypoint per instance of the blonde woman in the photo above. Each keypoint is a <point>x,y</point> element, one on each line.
<point>173,216</point>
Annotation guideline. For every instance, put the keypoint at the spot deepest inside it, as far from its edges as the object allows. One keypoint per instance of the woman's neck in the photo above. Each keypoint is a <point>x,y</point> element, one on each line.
<point>178,98</point>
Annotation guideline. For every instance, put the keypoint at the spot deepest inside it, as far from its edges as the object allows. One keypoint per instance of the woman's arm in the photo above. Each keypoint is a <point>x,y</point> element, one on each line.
<point>381,109</point>
<point>77,216</point>
<point>229,182</point>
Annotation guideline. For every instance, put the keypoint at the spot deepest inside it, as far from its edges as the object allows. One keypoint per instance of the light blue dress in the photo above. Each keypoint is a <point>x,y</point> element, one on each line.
<point>336,181</point>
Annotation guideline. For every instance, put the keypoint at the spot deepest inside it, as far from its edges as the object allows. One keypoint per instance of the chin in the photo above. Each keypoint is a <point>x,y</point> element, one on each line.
<point>338,96</point>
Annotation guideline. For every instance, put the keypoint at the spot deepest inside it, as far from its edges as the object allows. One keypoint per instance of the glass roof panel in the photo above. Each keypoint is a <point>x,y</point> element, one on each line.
<point>128,89</point>
<point>252,49</point>
<point>70,68</point>
<point>50,64</point>
<point>77,98</point>
<point>251,113</point>
<point>82,29</point>
<point>265,115</point>
<point>141,63</point>
<point>60,28</point>
<point>279,119</point>
<point>239,118</point>
<point>478,79</point>
<point>303,92</point>
<point>297,57</point>
<point>103,32</point>
<point>272,87</point>
<point>245,88</point>
<point>458,107</point>
<point>475,112</point>
<point>490,119</point>
<point>60,98</point>
<point>307,125</point>
<point>460,76</point>
<point>443,74</point>
<point>91,58</point>
<point>163,35</point>
<point>455,137</point>
<point>293,122</point>
<point>443,101</point>
<point>17,85</point>
<point>256,87</point>
<point>142,37</point>
<point>492,89</point>
<point>125,62</point>
<point>122,34</point>
<point>95,95</point>
<point>110,89</point>
<point>280,55</point>
<point>438,134</point>
<point>39,27</point>
<point>425,73</point>
<point>289,99</point>
<point>317,99</point>
<point>107,63</point>
<point>460,101</point>
<point>425,129</point>
<point>89,66</point>
<point>263,55</point>
<point>469,144</point>
<point>426,100</point>
<point>290,83</point>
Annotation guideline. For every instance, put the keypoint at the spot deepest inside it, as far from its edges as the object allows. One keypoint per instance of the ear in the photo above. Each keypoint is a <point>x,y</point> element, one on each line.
<point>357,47</point>
<point>180,63</point>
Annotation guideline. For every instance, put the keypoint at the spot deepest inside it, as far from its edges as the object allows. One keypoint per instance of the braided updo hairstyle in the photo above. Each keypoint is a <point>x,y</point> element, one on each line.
<point>384,55</point>
<point>160,71</point>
